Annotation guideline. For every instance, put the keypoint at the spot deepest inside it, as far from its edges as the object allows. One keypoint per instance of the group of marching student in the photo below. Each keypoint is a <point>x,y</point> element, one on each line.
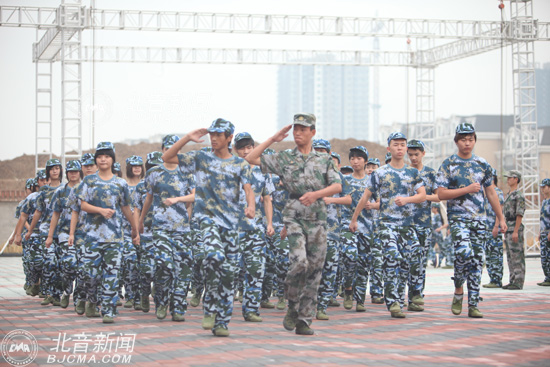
<point>210,222</point>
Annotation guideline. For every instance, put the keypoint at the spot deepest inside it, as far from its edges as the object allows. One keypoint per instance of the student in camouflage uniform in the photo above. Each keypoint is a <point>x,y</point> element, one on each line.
<point>399,187</point>
<point>308,176</point>
<point>422,225</point>
<point>252,241</point>
<point>437,235</point>
<point>544,236</point>
<point>60,226</point>
<point>513,209</point>
<point>493,245</point>
<point>101,195</point>
<point>219,176</point>
<point>376,255</point>
<point>462,180</point>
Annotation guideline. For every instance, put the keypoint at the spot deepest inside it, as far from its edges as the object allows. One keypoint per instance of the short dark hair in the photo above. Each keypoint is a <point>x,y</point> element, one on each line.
<point>495,179</point>
<point>244,143</point>
<point>460,136</point>
<point>130,173</point>
<point>67,174</point>
<point>48,169</point>
<point>110,153</point>
<point>358,153</point>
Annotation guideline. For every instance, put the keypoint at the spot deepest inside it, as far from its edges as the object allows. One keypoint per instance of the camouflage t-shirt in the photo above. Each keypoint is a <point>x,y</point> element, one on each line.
<point>545,217</point>
<point>423,213</point>
<point>301,174</point>
<point>514,205</point>
<point>163,183</point>
<point>138,199</point>
<point>60,205</point>
<point>388,183</point>
<point>456,173</point>
<point>355,187</point>
<point>74,203</point>
<point>29,208</point>
<point>437,221</point>
<point>43,204</point>
<point>491,216</point>
<point>218,182</point>
<point>279,199</point>
<point>111,194</point>
<point>262,186</point>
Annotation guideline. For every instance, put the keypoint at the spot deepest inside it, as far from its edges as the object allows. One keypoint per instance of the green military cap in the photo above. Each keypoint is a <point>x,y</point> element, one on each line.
<point>465,128</point>
<point>305,119</point>
<point>513,173</point>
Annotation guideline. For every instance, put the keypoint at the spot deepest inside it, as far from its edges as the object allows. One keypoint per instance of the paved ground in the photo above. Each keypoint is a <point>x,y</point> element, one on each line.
<point>514,332</point>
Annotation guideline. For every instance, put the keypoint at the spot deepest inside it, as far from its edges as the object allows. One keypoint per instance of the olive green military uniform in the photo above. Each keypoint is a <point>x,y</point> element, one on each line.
<point>514,205</point>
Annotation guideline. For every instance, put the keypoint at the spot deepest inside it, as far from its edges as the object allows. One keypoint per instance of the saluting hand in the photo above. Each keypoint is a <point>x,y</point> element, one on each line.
<point>281,134</point>
<point>196,135</point>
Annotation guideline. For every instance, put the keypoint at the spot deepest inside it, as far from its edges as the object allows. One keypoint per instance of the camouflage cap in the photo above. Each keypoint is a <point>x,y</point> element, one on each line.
<point>116,167</point>
<point>241,136</point>
<point>545,182</point>
<point>169,140</point>
<point>361,149</point>
<point>321,144</point>
<point>346,169</point>
<point>416,144</point>
<point>105,145</point>
<point>221,126</point>
<point>396,136</point>
<point>337,156</point>
<point>30,183</point>
<point>134,160</point>
<point>513,173</point>
<point>87,159</point>
<point>41,174</point>
<point>154,158</point>
<point>53,162</point>
<point>207,149</point>
<point>435,205</point>
<point>73,166</point>
<point>387,158</point>
<point>465,128</point>
<point>305,119</point>
<point>268,151</point>
<point>374,161</point>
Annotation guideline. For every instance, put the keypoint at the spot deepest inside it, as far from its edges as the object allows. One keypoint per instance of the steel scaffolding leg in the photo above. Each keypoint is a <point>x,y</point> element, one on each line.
<point>525,115</point>
<point>43,140</point>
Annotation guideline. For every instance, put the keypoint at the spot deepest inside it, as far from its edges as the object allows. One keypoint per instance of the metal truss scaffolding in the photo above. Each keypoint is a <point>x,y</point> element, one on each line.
<point>62,30</point>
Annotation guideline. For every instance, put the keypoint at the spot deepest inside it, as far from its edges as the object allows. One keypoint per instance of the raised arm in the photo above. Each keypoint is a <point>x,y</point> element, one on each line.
<point>254,156</point>
<point>171,155</point>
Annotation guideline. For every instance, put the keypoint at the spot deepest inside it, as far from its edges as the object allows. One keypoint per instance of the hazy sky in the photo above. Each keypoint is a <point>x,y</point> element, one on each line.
<point>140,100</point>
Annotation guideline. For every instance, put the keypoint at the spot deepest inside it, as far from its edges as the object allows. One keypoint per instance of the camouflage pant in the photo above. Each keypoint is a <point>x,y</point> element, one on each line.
<point>515,254</point>
<point>35,258</point>
<point>349,255</point>
<point>197,278</point>
<point>50,272</point>
<point>468,238</point>
<point>129,270</point>
<point>101,262</point>
<point>79,292</point>
<point>493,257</point>
<point>447,251</point>
<point>252,250</point>
<point>270,269</point>
<point>437,237</point>
<point>308,246</point>
<point>364,246</point>
<point>25,259</point>
<point>221,252</point>
<point>398,243</point>
<point>68,266</point>
<point>173,262</point>
<point>376,264</point>
<point>328,278</point>
<point>146,264</point>
<point>545,255</point>
<point>280,248</point>
<point>419,261</point>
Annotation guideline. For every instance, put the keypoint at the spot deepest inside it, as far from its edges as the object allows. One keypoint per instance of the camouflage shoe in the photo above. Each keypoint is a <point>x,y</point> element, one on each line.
<point>333,303</point>
<point>267,304</point>
<point>129,304</point>
<point>40,294</point>
<point>360,307</point>
<point>291,317</point>
<point>56,301</point>
<point>80,307</point>
<point>108,319</point>
<point>418,300</point>
<point>161,312</point>
<point>456,306</point>
<point>145,304</point>
<point>47,300</point>
<point>396,311</point>
<point>178,317</point>
<point>348,301</point>
<point>415,307</point>
<point>321,315</point>
<point>474,312</point>
<point>91,310</point>
<point>281,305</point>
<point>195,300</point>
<point>220,331</point>
<point>64,301</point>
<point>252,317</point>
<point>208,321</point>
<point>377,300</point>
<point>491,285</point>
<point>302,328</point>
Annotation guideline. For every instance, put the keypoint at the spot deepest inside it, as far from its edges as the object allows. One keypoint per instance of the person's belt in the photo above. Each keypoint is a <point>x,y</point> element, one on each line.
<point>295,196</point>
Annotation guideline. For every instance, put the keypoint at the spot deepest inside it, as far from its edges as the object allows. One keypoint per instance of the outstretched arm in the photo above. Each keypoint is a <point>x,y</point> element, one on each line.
<point>171,155</point>
<point>254,156</point>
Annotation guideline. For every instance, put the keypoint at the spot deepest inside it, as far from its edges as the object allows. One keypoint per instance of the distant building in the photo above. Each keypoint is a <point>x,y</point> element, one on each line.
<point>542,80</point>
<point>337,95</point>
